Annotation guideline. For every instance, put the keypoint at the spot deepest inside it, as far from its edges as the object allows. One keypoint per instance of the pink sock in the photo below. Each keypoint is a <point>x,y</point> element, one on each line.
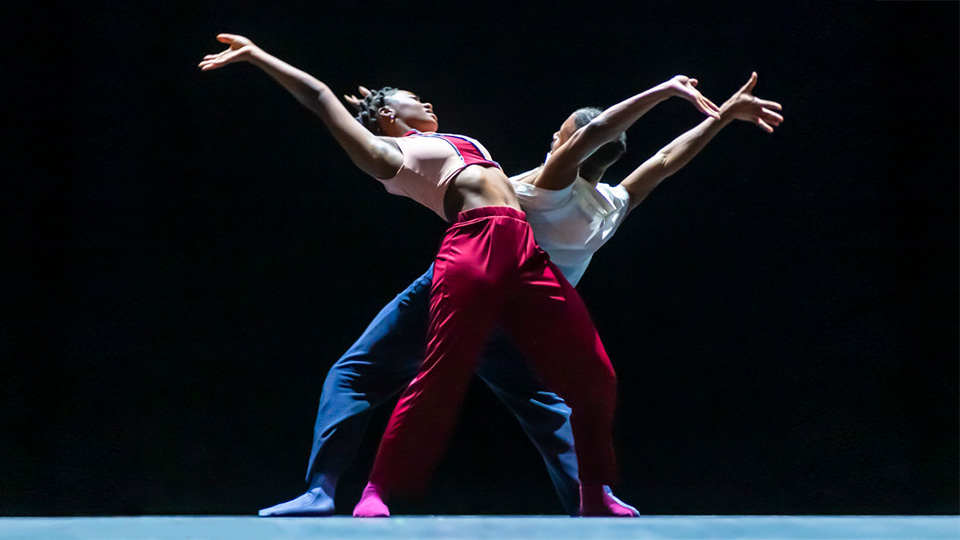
<point>371,503</point>
<point>595,502</point>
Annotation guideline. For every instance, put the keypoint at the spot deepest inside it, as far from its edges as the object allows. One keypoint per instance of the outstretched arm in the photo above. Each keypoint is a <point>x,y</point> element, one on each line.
<point>743,105</point>
<point>371,154</point>
<point>561,169</point>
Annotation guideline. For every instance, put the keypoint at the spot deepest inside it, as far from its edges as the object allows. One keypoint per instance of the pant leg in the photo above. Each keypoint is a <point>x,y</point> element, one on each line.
<point>467,296</point>
<point>551,325</point>
<point>543,415</point>
<point>378,365</point>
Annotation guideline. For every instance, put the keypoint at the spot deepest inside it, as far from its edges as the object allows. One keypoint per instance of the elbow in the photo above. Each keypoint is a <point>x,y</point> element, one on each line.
<point>663,160</point>
<point>599,130</point>
<point>323,91</point>
<point>664,164</point>
<point>320,100</point>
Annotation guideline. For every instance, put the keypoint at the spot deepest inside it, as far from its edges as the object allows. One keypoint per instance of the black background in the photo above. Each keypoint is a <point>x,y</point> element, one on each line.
<point>185,253</point>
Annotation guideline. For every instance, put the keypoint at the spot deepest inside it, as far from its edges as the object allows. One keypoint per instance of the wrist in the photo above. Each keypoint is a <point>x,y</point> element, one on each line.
<point>727,114</point>
<point>256,55</point>
<point>667,89</point>
<point>656,94</point>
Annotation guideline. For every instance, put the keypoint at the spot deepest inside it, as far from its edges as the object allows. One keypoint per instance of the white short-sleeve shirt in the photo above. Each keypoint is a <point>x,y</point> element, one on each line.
<point>571,224</point>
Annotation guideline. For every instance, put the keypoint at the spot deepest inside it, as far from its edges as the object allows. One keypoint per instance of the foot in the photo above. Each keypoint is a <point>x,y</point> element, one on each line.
<point>599,501</point>
<point>314,503</point>
<point>609,493</point>
<point>371,503</point>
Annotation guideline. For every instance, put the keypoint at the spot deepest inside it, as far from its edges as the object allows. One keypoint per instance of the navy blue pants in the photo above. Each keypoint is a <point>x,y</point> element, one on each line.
<point>386,358</point>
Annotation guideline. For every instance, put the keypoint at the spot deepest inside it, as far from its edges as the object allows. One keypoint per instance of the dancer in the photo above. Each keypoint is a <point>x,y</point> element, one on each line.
<point>488,269</point>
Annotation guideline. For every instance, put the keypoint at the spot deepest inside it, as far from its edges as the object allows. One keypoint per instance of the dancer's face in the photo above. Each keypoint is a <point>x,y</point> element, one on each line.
<point>406,106</point>
<point>567,129</point>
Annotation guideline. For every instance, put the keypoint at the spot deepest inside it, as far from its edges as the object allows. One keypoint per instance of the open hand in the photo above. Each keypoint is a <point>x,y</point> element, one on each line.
<point>238,51</point>
<point>745,106</point>
<point>686,88</point>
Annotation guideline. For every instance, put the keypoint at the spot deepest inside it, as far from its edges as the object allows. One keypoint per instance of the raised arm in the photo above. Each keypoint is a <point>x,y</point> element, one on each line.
<point>743,105</point>
<point>561,169</point>
<point>371,154</point>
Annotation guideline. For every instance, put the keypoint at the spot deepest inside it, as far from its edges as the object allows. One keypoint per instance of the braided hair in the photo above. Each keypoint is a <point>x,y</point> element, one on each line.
<point>369,107</point>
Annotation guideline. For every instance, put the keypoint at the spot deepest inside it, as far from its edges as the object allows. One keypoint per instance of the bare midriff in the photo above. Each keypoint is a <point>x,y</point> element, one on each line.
<point>477,186</point>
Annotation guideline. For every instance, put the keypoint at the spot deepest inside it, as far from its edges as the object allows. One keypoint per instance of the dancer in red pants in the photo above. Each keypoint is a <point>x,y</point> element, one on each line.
<point>489,270</point>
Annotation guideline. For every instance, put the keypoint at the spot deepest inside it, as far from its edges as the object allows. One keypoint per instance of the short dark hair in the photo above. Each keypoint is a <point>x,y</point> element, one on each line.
<point>369,107</point>
<point>607,154</point>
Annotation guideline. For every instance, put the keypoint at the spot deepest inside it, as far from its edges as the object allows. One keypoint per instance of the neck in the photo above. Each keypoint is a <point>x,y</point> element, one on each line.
<point>397,128</point>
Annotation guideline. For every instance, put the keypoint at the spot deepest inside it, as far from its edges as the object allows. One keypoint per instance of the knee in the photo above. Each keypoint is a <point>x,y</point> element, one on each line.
<point>343,376</point>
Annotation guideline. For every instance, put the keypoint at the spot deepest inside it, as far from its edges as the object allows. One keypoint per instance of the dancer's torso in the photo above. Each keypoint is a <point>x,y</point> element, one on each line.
<point>449,174</point>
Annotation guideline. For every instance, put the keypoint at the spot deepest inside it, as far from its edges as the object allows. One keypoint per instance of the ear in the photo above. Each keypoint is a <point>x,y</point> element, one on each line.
<point>386,112</point>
